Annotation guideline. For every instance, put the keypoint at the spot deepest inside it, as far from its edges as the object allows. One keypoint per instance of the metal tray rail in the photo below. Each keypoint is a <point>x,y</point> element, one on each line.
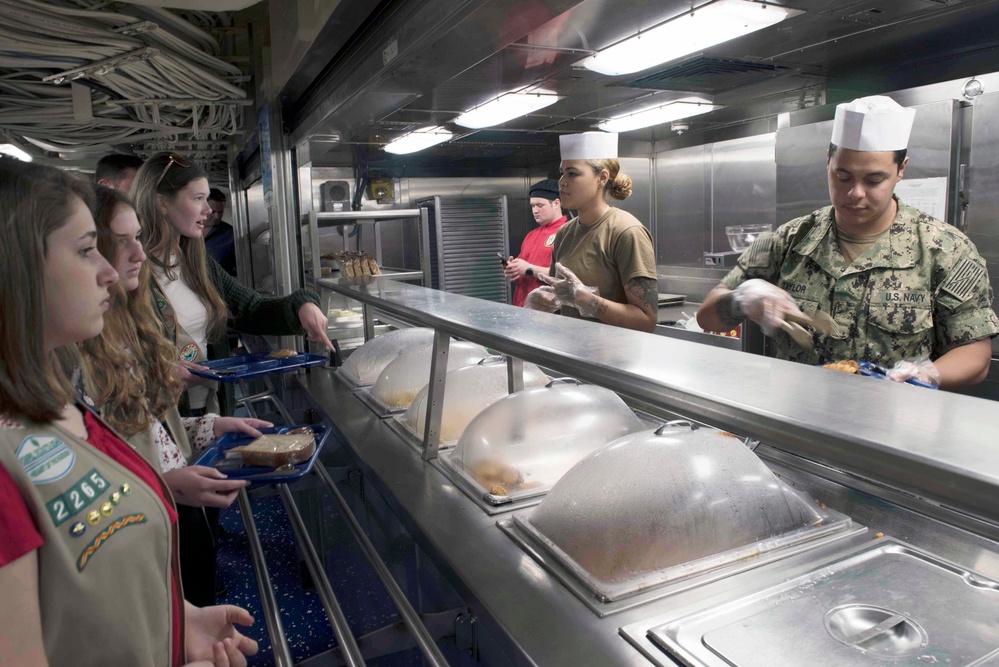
<point>349,650</point>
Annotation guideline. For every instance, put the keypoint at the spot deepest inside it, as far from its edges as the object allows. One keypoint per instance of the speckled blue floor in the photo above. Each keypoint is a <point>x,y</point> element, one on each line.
<point>302,614</point>
<point>306,627</point>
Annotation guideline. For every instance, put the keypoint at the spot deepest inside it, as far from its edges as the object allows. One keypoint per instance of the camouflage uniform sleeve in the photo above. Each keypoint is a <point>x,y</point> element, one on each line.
<point>962,308</point>
<point>761,259</point>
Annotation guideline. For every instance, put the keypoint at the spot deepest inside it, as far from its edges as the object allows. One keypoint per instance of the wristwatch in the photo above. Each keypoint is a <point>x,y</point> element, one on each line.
<point>529,272</point>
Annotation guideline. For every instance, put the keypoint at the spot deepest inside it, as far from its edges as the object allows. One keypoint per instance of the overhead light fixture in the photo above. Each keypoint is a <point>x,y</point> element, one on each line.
<point>418,140</point>
<point>14,151</point>
<point>712,23</point>
<point>506,107</point>
<point>657,115</point>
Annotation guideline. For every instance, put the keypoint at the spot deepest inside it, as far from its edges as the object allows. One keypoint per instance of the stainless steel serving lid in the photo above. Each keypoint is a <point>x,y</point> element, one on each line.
<point>467,392</point>
<point>661,505</point>
<point>366,362</point>
<point>403,378</point>
<point>525,441</point>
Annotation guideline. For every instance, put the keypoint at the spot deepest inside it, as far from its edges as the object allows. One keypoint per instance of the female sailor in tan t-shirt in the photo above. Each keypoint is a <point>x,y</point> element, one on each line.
<point>603,264</point>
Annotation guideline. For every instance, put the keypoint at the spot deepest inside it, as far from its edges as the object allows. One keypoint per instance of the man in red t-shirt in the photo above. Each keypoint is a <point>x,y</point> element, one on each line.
<point>536,251</point>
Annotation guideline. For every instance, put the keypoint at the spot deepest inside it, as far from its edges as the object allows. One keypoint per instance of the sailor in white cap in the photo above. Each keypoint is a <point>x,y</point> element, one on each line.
<point>603,264</point>
<point>908,292</point>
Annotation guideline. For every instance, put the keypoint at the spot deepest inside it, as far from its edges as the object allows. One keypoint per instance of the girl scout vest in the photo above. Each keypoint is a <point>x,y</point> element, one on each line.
<point>189,350</point>
<point>104,570</point>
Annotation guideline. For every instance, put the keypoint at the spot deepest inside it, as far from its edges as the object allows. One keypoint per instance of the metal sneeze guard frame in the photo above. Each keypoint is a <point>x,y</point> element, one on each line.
<point>933,445</point>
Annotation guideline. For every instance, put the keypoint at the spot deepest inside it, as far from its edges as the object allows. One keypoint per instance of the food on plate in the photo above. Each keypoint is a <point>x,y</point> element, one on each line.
<point>275,451</point>
<point>499,478</point>
<point>847,366</point>
<point>282,354</point>
<point>301,430</point>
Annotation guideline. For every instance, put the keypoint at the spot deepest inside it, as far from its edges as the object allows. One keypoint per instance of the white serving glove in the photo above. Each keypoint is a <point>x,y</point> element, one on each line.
<point>921,369</point>
<point>543,299</point>
<point>569,289</point>
<point>764,303</point>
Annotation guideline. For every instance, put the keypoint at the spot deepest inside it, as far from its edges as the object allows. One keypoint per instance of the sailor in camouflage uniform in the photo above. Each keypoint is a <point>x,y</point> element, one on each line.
<point>900,284</point>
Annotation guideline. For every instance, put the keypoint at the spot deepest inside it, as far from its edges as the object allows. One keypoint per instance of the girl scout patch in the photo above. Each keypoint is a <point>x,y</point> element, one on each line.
<point>550,241</point>
<point>45,458</point>
<point>105,535</point>
<point>190,352</point>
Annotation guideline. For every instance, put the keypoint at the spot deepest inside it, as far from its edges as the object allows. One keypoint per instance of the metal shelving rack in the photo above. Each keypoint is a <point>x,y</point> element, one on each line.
<point>350,333</point>
<point>315,221</point>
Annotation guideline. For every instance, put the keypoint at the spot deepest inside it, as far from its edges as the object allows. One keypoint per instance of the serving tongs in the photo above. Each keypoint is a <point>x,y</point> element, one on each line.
<point>820,321</point>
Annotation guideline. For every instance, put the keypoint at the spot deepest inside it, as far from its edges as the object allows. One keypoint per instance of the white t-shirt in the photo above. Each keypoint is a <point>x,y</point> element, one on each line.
<point>192,315</point>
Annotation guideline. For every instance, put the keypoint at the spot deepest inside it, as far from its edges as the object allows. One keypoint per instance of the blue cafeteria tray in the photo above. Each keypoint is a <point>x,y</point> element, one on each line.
<point>873,370</point>
<point>244,366</point>
<point>214,456</point>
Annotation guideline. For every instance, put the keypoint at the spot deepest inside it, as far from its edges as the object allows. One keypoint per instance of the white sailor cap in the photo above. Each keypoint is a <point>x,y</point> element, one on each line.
<point>875,123</point>
<point>589,146</point>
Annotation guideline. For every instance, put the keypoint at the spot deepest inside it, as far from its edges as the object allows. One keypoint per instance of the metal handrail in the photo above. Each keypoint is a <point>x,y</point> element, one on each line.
<point>348,645</point>
<point>268,603</point>
<point>409,615</point>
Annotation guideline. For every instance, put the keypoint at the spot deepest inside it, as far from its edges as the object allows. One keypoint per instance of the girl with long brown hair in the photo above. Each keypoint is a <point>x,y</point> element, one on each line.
<point>194,295</point>
<point>87,540</point>
<point>129,375</point>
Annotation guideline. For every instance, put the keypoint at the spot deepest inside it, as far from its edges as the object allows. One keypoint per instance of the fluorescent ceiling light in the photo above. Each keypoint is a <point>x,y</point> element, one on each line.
<point>664,113</point>
<point>506,107</point>
<point>14,151</point>
<point>709,24</point>
<point>418,140</point>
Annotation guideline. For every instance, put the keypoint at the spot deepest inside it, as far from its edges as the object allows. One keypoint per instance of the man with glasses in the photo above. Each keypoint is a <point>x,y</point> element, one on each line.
<point>536,250</point>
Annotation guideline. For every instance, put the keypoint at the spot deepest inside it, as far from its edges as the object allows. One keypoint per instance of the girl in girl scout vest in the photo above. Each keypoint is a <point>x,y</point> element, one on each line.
<point>194,295</point>
<point>88,559</point>
<point>129,375</point>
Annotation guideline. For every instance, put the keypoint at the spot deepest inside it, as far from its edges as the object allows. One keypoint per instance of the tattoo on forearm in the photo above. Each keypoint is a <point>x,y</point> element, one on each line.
<point>599,307</point>
<point>727,311</point>
<point>644,293</point>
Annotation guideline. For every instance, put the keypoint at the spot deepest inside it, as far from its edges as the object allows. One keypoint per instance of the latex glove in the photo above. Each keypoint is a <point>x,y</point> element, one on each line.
<point>314,321</point>
<point>571,291</point>
<point>201,486</point>
<point>543,299</point>
<point>921,369</point>
<point>210,635</point>
<point>764,303</point>
<point>182,372</point>
<point>247,425</point>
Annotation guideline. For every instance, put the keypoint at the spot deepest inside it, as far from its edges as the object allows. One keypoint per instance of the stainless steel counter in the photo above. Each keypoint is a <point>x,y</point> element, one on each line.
<point>927,444</point>
<point>533,618</point>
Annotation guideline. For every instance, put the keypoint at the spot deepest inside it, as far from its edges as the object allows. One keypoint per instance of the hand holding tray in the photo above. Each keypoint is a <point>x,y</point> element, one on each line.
<point>214,456</point>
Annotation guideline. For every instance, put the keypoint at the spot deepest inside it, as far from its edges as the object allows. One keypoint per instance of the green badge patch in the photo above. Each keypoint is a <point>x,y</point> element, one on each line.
<point>77,498</point>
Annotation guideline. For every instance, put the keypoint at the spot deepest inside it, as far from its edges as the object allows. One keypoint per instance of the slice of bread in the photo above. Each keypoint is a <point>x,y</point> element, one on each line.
<point>277,450</point>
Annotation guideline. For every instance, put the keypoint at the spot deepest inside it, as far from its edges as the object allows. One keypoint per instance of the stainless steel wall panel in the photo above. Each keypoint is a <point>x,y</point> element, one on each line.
<point>743,186</point>
<point>983,187</point>
<point>639,204</point>
<point>801,158</point>
<point>682,206</point>
<point>801,170</point>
